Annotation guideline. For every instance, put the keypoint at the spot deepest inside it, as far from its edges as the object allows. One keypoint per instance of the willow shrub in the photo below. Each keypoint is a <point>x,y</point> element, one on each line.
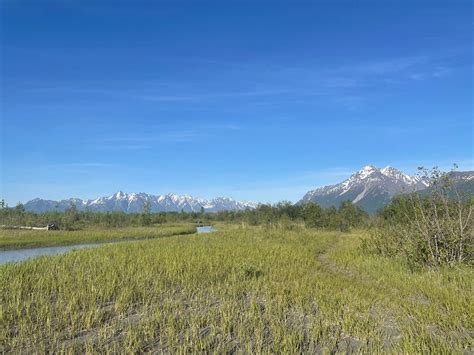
<point>433,228</point>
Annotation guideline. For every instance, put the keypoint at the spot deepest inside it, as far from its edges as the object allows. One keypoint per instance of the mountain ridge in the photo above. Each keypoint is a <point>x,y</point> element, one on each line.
<point>372,188</point>
<point>134,202</point>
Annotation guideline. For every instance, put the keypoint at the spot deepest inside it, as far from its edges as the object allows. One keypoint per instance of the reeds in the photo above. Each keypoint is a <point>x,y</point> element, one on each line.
<point>240,289</point>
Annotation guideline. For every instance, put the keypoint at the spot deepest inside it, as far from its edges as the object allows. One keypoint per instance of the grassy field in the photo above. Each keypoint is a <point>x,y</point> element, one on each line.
<point>16,238</point>
<point>239,289</point>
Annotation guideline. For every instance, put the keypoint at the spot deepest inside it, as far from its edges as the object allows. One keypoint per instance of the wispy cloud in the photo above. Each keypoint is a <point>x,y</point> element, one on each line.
<point>350,102</point>
<point>353,85</point>
<point>83,165</point>
<point>179,137</point>
<point>149,141</point>
<point>225,127</point>
<point>211,95</point>
<point>390,66</point>
<point>72,90</point>
<point>117,145</point>
<point>348,86</point>
<point>80,167</point>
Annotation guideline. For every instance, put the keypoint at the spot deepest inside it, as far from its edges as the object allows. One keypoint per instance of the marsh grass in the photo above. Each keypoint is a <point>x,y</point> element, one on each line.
<point>239,289</point>
<point>16,238</point>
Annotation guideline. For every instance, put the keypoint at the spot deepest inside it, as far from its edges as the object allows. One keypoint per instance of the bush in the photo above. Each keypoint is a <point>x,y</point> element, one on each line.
<point>430,228</point>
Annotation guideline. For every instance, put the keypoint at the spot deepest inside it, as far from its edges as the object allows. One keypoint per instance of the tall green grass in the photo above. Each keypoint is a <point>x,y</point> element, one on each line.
<point>239,289</point>
<point>15,238</point>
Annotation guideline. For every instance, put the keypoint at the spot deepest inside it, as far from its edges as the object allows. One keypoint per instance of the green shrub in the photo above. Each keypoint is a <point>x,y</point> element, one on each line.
<point>433,228</point>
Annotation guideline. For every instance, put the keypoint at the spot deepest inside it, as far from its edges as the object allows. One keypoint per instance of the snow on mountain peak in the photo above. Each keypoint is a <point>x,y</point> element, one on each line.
<point>119,195</point>
<point>392,172</point>
<point>388,170</point>
<point>369,177</point>
<point>174,197</point>
<point>366,171</point>
<point>369,187</point>
<point>399,175</point>
<point>133,203</point>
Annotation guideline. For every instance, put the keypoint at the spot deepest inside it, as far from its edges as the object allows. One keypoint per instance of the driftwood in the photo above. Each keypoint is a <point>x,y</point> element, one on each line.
<point>48,227</point>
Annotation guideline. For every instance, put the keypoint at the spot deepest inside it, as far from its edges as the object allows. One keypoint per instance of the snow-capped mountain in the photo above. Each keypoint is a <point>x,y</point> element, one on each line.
<point>134,202</point>
<point>370,188</point>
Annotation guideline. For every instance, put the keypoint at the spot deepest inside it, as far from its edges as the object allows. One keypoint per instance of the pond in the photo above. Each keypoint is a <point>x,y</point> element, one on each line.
<point>206,229</point>
<point>7,256</point>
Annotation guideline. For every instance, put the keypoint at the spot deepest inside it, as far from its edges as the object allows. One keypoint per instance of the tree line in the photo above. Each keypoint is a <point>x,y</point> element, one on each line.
<point>343,218</point>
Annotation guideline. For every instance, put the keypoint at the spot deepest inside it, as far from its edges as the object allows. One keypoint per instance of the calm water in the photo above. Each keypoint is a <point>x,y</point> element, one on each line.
<point>206,229</point>
<point>8,256</point>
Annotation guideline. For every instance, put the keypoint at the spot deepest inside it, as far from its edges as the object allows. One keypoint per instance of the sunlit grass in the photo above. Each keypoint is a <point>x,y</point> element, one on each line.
<point>244,289</point>
<point>15,238</point>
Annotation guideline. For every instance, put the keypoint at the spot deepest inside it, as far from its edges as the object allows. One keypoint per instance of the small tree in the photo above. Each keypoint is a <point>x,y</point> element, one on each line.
<point>146,214</point>
<point>350,216</point>
<point>71,216</point>
<point>312,215</point>
<point>20,208</point>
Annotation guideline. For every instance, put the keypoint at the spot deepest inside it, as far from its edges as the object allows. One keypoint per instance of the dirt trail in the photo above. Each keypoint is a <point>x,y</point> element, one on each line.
<point>384,316</point>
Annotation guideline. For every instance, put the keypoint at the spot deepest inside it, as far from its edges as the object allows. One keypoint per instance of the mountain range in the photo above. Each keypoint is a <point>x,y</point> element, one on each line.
<point>134,202</point>
<point>372,188</point>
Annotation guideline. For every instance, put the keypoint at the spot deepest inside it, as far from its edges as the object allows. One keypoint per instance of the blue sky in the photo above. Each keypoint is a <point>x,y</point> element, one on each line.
<point>256,100</point>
